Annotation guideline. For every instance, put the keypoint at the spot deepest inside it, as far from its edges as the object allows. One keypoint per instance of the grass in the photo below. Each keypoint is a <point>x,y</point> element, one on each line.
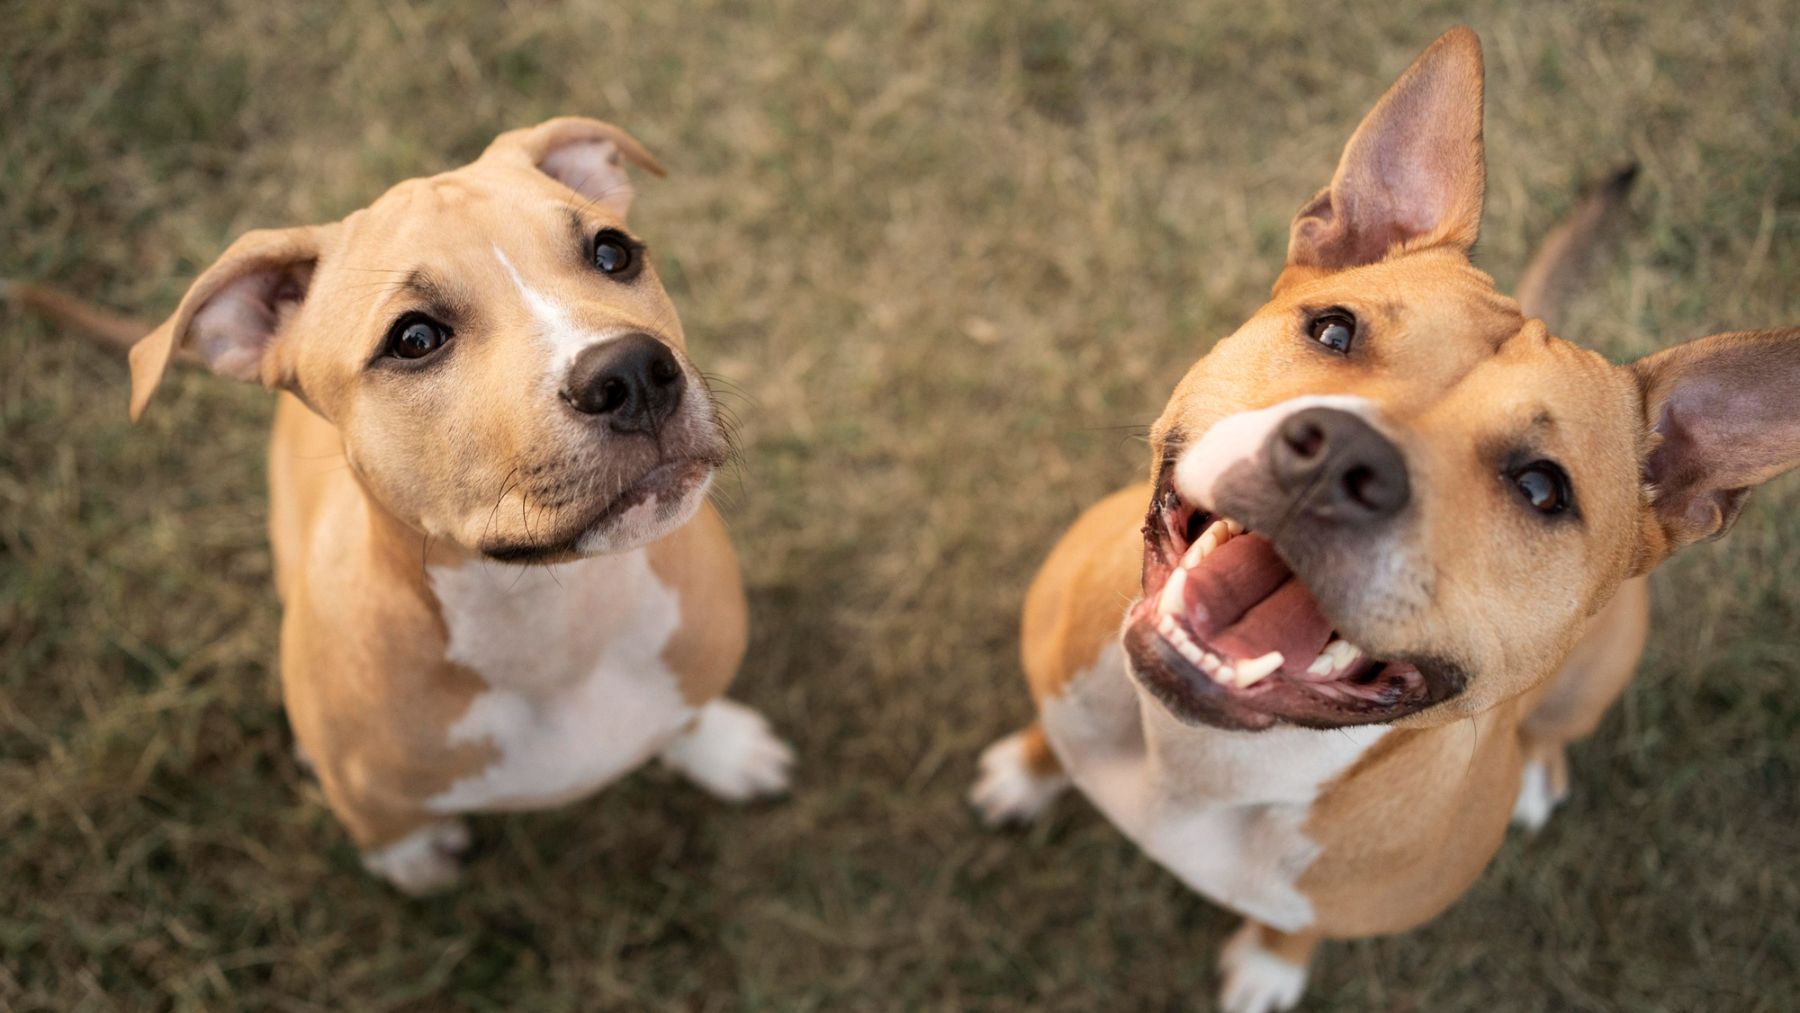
<point>953,253</point>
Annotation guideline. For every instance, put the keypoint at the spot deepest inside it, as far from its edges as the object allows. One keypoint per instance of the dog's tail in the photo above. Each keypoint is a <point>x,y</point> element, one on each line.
<point>1556,270</point>
<point>111,330</point>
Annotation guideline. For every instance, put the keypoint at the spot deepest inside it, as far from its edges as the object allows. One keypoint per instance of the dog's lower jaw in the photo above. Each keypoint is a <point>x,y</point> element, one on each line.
<point>666,498</point>
<point>647,521</point>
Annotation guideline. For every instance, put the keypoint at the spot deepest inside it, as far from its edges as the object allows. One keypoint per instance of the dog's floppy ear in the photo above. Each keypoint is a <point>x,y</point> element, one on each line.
<point>1724,412</point>
<point>587,156</point>
<point>1412,174</point>
<point>234,311</point>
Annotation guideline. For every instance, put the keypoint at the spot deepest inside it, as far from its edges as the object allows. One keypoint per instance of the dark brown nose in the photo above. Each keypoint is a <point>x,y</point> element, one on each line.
<point>633,382</point>
<point>1337,467</point>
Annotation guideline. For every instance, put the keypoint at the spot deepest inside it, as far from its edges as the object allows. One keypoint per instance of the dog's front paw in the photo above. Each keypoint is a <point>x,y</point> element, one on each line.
<point>424,861</point>
<point>1008,790</point>
<point>731,752</point>
<point>1256,980</point>
<point>1538,796</point>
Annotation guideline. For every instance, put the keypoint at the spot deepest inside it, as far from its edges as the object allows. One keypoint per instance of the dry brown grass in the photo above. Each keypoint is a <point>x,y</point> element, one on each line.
<point>953,253</point>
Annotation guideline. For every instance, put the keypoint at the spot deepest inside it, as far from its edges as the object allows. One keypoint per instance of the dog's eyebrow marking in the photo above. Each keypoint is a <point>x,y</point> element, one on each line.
<point>565,337</point>
<point>425,287</point>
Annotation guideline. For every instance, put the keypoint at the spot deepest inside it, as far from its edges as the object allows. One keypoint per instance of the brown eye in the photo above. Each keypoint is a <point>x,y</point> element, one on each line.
<point>1335,329</point>
<point>615,254</point>
<point>1544,486</point>
<point>415,336</point>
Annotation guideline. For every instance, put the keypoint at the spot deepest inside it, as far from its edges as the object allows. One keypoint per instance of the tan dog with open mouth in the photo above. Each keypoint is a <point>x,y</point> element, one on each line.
<point>481,371</point>
<point>1393,560</point>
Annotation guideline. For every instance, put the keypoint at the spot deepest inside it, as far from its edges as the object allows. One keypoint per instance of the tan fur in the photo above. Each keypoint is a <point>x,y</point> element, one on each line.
<point>698,561</point>
<point>1546,619</point>
<point>117,331</point>
<point>385,480</point>
<point>1067,619</point>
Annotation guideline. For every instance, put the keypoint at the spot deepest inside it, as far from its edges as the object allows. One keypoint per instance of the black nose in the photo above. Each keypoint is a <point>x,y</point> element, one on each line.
<point>633,382</point>
<point>1338,467</point>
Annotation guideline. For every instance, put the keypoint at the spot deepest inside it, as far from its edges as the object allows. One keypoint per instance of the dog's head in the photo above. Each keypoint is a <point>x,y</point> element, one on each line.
<point>1390,493</point>
<point>493,343</point>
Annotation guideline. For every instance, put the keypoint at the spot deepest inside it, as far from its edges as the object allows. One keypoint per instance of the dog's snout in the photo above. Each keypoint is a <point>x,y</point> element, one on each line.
<point>1337,466</point>
<point>633,382</point>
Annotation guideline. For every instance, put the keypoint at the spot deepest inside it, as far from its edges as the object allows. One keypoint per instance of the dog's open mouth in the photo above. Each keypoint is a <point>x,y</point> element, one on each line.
<point>1227,634</point>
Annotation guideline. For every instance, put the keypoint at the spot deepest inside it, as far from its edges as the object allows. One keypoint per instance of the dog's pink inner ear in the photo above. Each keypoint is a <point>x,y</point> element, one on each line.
<point>593,168</point>
<point>234,311</point>
<point>232,330</point>
<point>1725,411</point>
<point>1413,174</point>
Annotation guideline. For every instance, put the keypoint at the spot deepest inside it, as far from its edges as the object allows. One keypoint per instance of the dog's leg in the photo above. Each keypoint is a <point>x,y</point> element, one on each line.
<point>423,861</point>
<point>418,852</point>
<point>1543,785</point>
<point>1576,698</point>
<point>1264,970</point>
<point>730,751</point>
<point>1019,778</point>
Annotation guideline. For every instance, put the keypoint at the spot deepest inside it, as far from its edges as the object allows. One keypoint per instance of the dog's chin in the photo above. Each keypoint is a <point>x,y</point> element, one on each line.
<point>660,501</point>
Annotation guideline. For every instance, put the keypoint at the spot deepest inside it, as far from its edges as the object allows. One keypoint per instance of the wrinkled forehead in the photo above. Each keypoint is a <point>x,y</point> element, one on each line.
<point>490,247</point>
<point>1432,311</point>
<point>438,218</point>
<point>1538,397</point>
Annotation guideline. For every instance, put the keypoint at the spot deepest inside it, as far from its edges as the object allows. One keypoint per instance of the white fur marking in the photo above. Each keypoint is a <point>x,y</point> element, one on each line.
<point>1257,981</point>
<point>578,690</point>
<point>1536,801</point>
<point>1007,790</point>
<point>1225,811</point>
<point>732,753</point>
<point>1240,437</point>
<point>644,523</point>
<point>566,338</point>
<point>424,860</point>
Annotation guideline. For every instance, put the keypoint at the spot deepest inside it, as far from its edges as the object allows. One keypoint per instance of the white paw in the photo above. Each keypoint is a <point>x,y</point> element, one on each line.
<point>423,861</point>
<point>1007,791</point>
<point>1536,799</point>
<point>1257,981</point>
<point>732,753</point>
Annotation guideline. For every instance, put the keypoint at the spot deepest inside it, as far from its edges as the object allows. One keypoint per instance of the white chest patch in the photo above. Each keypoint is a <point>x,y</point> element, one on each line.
<point>578,693</point>
<point>1224,811</point>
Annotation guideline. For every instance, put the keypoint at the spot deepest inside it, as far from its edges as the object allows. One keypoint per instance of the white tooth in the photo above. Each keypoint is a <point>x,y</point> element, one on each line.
<point>1196,552</point>
<point>1337,656</point>
<point>1189,651</point>
<point>1347,654</point>
<point>1173,600</point>
<point>1251,672</point>
<point>1215,535</point>
<point>1233,527</point>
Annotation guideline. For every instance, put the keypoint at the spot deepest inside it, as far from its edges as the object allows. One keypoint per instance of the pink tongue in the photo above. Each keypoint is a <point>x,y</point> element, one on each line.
<point>1288,621</point>
<point>1231,579</point>
<point>1247,602</point>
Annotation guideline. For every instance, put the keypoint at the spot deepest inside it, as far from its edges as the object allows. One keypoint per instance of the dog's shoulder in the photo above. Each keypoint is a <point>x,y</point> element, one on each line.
<point>1079,598</point>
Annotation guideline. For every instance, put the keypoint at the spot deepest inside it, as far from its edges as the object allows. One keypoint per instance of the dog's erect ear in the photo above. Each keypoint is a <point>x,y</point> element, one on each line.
<point>587,156</point>
<point>1725,412</point>
<point>234,311</point>
<point>1412,174</point>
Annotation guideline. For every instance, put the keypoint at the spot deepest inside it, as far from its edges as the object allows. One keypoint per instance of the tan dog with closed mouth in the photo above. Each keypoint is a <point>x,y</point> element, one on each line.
<point>1393,560</point>
<point>481,371</point>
